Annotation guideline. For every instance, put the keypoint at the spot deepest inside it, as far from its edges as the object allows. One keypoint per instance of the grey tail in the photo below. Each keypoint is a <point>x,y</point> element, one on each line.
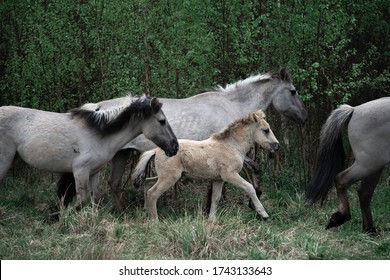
<point>330,155</point>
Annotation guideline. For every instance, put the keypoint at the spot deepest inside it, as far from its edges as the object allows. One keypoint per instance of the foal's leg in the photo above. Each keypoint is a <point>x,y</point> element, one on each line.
<point>365,191</point>
<point>164,183</point>
<point>216,196</point>
<point>251,166</point>
<point>118,166</point>
<point>237,180</point>
<point>252,171</point>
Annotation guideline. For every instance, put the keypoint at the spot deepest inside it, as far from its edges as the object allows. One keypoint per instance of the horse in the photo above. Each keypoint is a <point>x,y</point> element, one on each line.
<point>219,158</point>
<point>199,116</point>
<point>369,138</point>
<point>80,141</point>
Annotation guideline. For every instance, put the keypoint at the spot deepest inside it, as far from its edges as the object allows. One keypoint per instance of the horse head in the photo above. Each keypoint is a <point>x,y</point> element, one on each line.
<point>263,133</point>
<point>286,100</point>
<point>157,129</point>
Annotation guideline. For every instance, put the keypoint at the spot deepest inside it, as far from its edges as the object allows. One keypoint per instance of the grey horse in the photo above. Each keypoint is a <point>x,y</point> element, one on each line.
<point>369,137</point>
<point>81,141</point>
<point>199,116</point>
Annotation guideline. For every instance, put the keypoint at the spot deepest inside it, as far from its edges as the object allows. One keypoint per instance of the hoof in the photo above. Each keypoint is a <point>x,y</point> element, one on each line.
<point>370,231</point>
<point>337,219</point>
<point>261,218</point>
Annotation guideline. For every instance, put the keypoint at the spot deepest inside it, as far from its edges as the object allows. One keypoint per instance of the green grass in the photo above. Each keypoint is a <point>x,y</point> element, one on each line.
<point>293,231</point>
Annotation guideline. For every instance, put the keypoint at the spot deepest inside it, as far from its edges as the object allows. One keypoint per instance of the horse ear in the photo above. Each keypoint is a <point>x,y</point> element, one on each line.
<point>258,116</point>
<point>285,75</point>
<point>155,104</point>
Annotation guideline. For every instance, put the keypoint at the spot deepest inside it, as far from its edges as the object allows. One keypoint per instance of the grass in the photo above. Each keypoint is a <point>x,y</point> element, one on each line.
<point>293,231</point>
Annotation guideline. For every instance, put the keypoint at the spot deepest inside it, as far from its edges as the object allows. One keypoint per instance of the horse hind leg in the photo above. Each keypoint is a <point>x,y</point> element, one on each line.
<point>365,192</point>
<point>164,183</point>
<point>345,179</point>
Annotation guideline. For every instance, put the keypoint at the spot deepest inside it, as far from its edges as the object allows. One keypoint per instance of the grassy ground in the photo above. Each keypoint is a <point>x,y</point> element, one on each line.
<point>293,231</point>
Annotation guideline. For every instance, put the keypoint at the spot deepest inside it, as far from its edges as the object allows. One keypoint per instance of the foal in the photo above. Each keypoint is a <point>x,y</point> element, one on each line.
<point>219,158</point>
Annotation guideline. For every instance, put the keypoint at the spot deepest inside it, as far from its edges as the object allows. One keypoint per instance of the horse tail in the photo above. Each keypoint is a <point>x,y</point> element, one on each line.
<point>66,188</point>
<point>330,155</point>
<point>139,174</point>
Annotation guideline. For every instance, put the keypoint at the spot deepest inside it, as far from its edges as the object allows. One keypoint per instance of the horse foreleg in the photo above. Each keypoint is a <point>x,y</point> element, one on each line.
<point>94,185</point>
<point>237,180</point>
<point>365,192</point>
<point>118,166</point>
<point>7,155</point>
<point>81,178</point>
<point>216,196</point>
<point>251,165</point>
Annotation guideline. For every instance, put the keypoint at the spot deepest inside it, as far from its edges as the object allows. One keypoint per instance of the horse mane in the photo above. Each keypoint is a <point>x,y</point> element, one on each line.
<point>112,120</point>
<point>248,119</point>
<point>283,75</point>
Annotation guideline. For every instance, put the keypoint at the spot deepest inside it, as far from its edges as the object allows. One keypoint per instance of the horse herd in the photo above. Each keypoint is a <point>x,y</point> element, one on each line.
<point>216,130</point>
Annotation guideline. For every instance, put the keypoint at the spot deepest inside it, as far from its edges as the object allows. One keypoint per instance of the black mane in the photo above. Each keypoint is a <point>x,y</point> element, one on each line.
<point>112,120</point>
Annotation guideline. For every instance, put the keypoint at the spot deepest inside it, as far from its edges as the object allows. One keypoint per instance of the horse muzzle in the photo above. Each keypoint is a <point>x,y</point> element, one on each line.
<point>274,146</point>
<point>173,148</point>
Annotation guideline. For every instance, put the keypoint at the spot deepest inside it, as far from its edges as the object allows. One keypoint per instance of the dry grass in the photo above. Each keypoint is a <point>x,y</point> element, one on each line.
<point>293,231</point>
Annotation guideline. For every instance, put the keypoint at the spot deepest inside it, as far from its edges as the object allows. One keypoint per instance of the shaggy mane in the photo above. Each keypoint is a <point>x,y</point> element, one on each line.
<point>227,131</point>
<point>112,120</point>
<point>283,75</point>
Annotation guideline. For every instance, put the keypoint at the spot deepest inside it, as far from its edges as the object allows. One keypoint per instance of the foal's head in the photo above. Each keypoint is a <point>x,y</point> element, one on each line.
<point>263,133</point>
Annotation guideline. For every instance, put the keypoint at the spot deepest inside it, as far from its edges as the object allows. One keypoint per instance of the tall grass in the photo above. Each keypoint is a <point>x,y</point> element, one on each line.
<point>293,231</point>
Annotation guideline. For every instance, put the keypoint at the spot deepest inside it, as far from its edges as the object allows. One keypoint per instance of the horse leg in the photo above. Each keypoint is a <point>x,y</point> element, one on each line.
<point>365,192</point>
<point>163,184</point>
<point>81,178</point>
<point>251,165</point>
<point>216,196</point>
<point>94,185</point>
<point>118,166</point>
<point>343,180</point>
<point>6,159</point>
<point>237,180</point>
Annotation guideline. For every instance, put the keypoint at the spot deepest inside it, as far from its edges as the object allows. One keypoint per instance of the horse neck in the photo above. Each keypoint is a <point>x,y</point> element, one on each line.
<point>242,137</point>
<point>120,138</point>
<point>252,97</point>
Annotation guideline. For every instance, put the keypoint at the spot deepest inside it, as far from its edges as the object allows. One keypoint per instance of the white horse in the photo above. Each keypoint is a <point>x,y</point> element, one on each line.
<point>81,141</point>
<point>219,158</point>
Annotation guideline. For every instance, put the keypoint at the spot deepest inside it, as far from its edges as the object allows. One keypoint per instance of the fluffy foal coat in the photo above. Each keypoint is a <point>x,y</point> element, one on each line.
<point>219,158</point>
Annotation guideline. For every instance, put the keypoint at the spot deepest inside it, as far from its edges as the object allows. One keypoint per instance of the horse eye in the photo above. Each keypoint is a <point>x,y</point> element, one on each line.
<point>162,122</point>
<point>293,92</point>
<point>266,131</point>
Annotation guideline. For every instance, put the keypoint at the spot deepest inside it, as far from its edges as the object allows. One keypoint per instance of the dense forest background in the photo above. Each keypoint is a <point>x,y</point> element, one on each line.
<point>56,55</point>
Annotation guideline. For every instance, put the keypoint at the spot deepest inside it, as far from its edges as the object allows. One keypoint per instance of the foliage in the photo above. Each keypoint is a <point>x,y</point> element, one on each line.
<point>56,55</point>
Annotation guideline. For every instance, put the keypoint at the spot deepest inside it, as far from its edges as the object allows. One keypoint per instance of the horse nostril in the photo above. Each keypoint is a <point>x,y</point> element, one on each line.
<point>175,146</point>
<point>275,146</point>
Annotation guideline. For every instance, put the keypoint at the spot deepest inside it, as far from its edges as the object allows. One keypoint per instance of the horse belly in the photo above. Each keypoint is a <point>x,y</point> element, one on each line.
<point>47,151</point>
<point>201,163</point>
